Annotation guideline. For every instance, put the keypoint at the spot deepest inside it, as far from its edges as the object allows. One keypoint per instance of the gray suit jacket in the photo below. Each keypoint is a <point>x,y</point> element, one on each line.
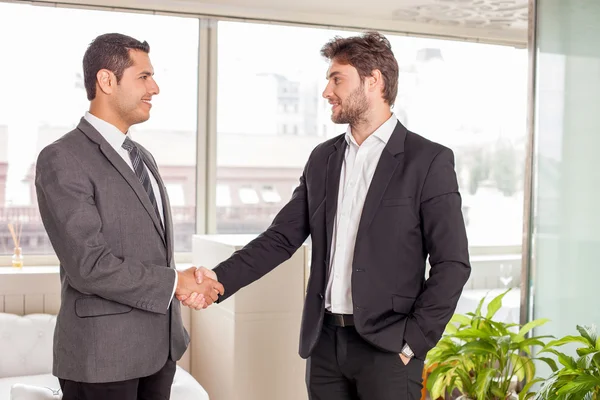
<point>115,322</point>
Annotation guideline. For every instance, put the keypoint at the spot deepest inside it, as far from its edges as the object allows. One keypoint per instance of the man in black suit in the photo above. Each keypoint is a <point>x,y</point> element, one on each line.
<point>376,202</point>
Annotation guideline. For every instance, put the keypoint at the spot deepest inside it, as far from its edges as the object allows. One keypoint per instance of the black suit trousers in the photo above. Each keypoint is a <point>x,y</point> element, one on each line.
<point>343,366</point>
<point>154,387</point>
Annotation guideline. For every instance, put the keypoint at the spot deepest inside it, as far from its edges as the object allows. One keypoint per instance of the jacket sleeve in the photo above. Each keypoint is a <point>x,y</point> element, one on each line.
<point>445,239</point>
<point>287,232</point>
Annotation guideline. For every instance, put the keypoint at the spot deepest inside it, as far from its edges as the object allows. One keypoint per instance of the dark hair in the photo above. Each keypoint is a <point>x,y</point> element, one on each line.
<point>109,51</point>
<point>366,53</point>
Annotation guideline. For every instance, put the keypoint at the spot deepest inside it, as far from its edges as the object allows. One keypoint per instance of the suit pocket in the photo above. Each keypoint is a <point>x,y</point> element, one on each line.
<point>97,306</point>
<point>403,305</point>
<point>396,202</point>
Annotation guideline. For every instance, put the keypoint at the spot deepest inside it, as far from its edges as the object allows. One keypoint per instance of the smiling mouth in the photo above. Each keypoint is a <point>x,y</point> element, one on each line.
<point>148,102</point>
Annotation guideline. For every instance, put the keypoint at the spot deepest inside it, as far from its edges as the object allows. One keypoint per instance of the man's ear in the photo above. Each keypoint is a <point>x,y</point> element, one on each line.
<point>106,81</point>
<point>375,80</point>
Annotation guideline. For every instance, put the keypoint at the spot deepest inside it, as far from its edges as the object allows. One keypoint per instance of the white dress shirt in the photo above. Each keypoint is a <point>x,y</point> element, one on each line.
<point>356,175</point>
<point>116,138</point>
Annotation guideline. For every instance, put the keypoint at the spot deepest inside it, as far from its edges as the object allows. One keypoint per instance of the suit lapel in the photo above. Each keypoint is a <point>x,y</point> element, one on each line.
<point>334,167</point>
<point>126,172</point>
<point>392,158</point>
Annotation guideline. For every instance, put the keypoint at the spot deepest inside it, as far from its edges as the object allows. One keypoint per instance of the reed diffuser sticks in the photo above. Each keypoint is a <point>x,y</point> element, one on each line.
<point>15,231</point>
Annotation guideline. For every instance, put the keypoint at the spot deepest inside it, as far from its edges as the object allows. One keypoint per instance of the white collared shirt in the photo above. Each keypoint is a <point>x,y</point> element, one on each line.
<point>356,175</point>
<point>116,138</point>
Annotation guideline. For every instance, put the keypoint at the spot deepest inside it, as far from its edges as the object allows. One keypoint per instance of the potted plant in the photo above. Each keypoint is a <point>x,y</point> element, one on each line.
<point>579,378</point>
<point>483,359</point>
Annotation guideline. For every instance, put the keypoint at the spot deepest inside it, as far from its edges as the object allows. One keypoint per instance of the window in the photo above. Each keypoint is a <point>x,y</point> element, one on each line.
<point>271,86</point>
<point>46,104</point>
<point>270,195</point>
<point>223,196</point>
<point>472,98</point>
<point>176,194</point>
<point>248,195</point>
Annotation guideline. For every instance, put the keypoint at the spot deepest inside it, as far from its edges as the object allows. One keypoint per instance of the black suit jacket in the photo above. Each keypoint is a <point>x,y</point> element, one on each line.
<point>412,210</point>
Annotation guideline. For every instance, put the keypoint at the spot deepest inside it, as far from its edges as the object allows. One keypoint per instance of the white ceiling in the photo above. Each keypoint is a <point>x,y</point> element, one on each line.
<point>495,21</point>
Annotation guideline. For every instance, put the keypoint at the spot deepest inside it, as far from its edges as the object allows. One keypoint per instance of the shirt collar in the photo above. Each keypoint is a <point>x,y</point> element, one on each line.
<point>383,133</point>
<point>108,131</point>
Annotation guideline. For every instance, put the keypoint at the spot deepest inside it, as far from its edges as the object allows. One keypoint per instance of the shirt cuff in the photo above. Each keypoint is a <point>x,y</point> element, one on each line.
<point>174,287</point>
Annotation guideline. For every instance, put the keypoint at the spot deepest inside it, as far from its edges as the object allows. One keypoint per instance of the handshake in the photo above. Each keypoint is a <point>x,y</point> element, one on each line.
<point>198,288</point>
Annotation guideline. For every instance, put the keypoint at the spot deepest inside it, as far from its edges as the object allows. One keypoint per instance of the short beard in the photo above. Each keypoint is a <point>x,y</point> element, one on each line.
<point>354,110</point>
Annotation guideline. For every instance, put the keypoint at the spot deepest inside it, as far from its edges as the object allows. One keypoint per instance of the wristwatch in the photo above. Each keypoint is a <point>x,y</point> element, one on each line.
<point>407,352</point>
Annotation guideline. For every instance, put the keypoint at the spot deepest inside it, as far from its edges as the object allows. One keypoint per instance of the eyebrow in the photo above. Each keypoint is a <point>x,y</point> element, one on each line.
<point>146,73</point>
<point>334,73</point>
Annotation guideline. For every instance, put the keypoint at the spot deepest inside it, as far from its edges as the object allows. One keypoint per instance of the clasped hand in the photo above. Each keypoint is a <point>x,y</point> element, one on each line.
<point>198,288</point>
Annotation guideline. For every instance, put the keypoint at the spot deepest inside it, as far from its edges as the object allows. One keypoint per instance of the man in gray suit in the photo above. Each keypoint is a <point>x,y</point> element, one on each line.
<point>119,330</point>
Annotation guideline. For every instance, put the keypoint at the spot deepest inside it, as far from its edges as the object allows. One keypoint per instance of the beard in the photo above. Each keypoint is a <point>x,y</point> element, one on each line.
<point>130,112</point>
<point>353,109</point>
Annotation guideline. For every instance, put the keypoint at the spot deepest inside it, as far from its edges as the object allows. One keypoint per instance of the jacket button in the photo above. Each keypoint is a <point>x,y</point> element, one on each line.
<point>321,296</point>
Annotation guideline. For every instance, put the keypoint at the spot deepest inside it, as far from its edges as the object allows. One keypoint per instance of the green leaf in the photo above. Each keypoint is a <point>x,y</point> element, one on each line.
<point>583,351</point>
<point>478,309</point>
<point>450,329</point>
<point>588,332</point>
<point>567,339</point>
<point>518,366</point>
<point>597,360</point>
<point>529,368</point>
<point>585,362</point>
<point>589,396</point>
<point>582,383</point>
<point>478,347</point>
<point>460,319</point>
<point>472,333</point>
<point>525,391</point>
<point>501,327</point>
<point>532,324</point>
<point>437,388</point>
<point>437,373</point>
<point>495,305</point>
<point>496,391</point>
<point>525,344</point>
<point>551,363</point>
<point>467,384</point>
<point>564,359</point>
<point>482,384</point>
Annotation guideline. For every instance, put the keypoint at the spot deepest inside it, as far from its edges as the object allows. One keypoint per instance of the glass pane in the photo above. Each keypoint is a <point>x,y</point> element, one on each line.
<point>46,98</point>
<point>270,115</point>
<point>567,181</point>
<point>472,98</point>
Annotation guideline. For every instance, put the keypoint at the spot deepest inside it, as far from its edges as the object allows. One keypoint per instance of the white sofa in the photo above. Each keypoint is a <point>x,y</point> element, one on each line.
<point>26,362</point>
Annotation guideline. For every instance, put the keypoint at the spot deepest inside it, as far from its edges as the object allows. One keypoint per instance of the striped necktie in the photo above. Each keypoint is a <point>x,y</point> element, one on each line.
<point>141,171</point>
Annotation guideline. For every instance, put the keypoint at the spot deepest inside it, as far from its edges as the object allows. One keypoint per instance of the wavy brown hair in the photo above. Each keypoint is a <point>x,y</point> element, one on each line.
<point>367,52</point>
